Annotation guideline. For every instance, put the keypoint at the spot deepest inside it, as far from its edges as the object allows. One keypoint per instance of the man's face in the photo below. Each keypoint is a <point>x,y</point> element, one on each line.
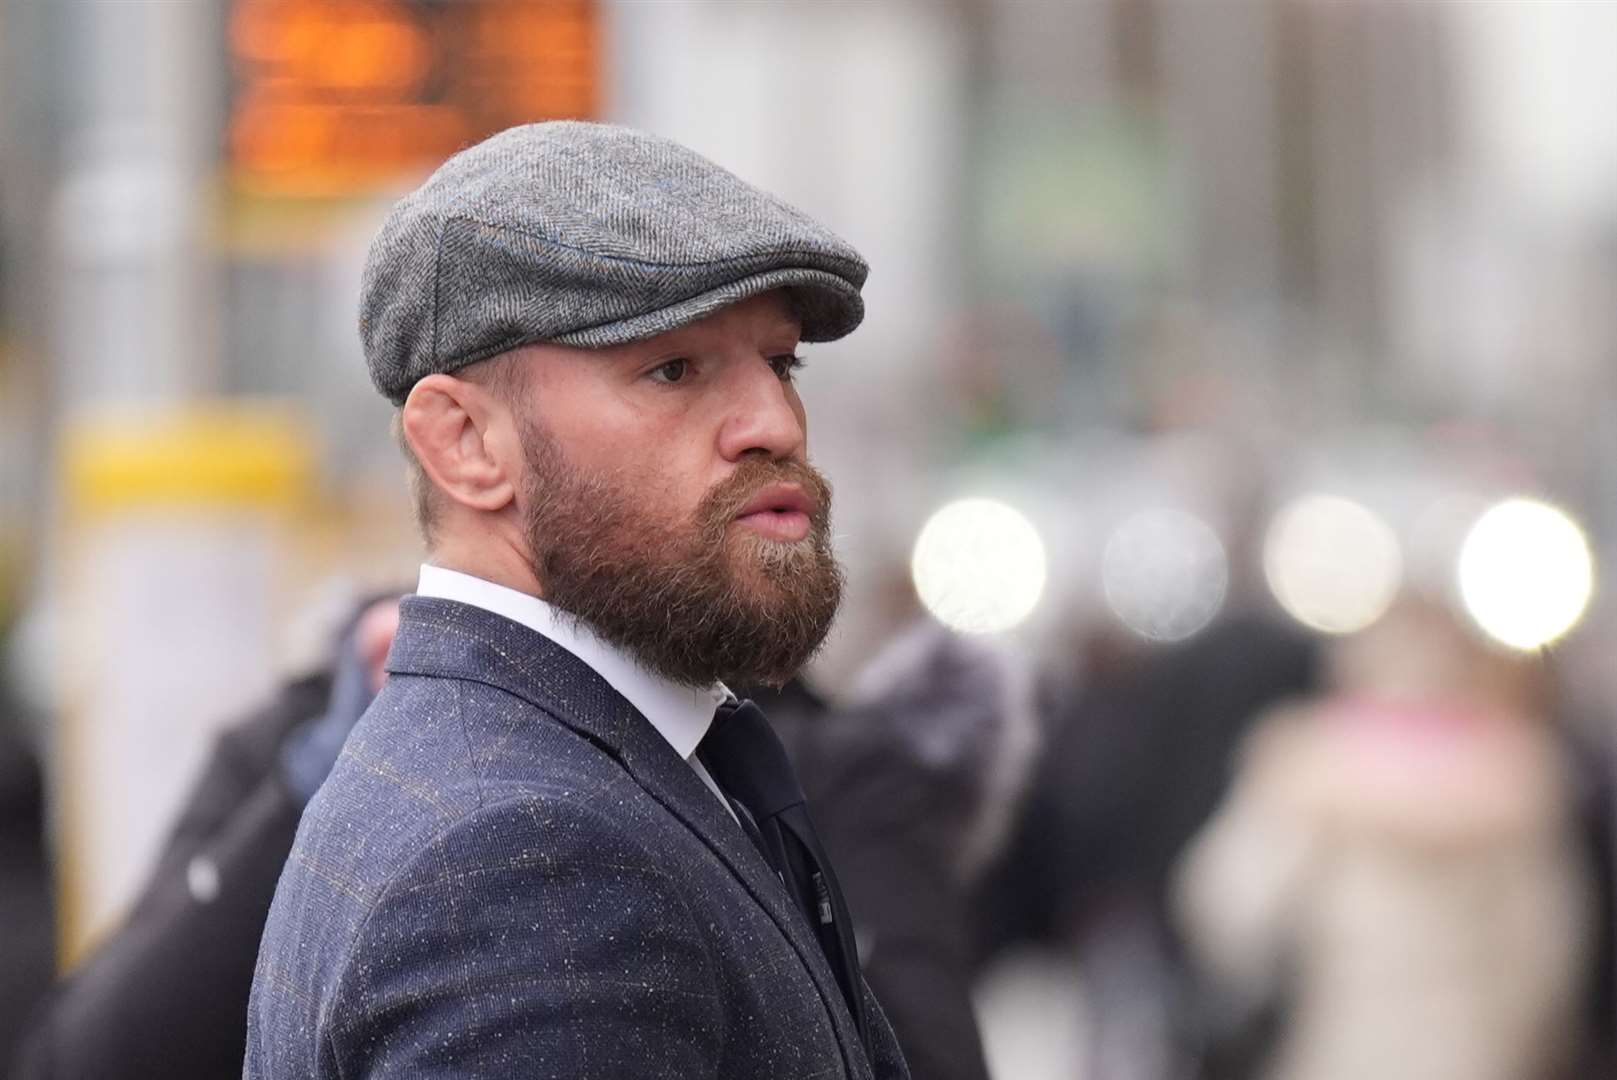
<point>669,503</point>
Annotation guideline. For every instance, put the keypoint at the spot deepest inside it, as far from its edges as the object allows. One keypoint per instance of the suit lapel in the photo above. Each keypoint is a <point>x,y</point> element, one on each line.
<point>447,639</point>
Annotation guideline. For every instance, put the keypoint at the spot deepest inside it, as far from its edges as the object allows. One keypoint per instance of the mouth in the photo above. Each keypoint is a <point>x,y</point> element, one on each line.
<point>779,512</point>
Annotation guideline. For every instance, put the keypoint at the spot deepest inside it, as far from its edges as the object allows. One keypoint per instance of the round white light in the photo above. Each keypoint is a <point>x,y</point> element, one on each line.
<point>1526,574</point>
<point>978,566</point>
<point>1332,564</point>
<point>1165,574</point>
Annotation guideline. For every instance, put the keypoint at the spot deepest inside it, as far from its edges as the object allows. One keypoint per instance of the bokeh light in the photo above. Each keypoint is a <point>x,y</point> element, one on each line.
<point>1165,574</point>
<point>1332,563</point>
<point>979,566</point>
<point>1526,574</point>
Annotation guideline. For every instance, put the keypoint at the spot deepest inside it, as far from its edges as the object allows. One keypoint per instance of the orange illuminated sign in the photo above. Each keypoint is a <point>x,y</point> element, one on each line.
<point>337,97</point>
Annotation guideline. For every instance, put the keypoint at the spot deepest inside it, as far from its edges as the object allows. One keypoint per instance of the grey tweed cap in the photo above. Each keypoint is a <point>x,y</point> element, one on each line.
<point>584,234</point>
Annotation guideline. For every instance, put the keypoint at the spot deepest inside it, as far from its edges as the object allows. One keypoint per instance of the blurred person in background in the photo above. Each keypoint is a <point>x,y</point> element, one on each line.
<point>1134,764</point>
<point>26,935</point>
<point>555,843</point>
<point>1397,886</point>
<point>165,994</point>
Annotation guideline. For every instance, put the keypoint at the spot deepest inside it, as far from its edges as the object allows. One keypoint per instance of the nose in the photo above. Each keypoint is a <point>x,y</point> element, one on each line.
<point>763,414</point>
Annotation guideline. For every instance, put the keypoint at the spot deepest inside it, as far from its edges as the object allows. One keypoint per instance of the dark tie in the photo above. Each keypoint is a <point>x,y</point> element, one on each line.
<point>745,757</point>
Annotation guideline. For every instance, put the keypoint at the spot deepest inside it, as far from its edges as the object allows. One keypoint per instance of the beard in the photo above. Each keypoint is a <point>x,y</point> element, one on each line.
<point>694,600</point>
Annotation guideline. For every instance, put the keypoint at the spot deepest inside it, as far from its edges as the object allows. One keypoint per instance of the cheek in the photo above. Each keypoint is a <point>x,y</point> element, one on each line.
<point>664,478</point>
<point>658,453</point>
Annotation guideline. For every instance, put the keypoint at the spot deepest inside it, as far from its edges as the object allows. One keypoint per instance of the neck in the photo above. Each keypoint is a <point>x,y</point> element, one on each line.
<point>494,560</point>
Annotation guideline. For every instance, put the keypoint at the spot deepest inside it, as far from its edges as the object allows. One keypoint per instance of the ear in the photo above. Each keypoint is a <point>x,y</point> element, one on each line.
<point>451,424</point>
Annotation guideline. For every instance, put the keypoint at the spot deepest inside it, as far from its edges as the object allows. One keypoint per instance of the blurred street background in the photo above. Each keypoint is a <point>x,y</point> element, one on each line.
<point>1241,371</point>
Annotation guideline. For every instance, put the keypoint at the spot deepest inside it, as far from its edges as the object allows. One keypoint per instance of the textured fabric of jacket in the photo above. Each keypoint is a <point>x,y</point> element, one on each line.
<point>510,873</point>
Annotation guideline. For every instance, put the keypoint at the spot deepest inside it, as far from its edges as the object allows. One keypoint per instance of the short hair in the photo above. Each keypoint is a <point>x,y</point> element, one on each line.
<point>506,377</point>
<point>421,490</point>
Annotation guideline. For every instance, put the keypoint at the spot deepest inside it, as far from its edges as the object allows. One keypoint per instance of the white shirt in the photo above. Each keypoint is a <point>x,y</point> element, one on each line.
<point>681,714</point>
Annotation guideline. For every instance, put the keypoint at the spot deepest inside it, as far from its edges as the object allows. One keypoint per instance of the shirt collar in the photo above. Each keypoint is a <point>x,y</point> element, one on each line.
<point>681,714</point>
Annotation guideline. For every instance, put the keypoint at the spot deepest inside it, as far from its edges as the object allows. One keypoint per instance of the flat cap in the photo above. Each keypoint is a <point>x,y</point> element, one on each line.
<point>584,234</point>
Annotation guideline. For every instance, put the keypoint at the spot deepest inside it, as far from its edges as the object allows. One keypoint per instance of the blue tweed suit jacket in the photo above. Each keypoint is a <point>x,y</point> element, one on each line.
<point>511,873</point>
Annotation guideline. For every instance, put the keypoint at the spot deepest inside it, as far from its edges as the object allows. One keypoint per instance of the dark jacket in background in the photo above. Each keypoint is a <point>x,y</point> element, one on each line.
<point>27,940</point>
<point>165,995</point>
<point>1138,757</point>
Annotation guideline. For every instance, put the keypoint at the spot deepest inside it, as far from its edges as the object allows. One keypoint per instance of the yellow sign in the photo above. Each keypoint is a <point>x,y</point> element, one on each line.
<point>340,97</point>
<point>233,455</point>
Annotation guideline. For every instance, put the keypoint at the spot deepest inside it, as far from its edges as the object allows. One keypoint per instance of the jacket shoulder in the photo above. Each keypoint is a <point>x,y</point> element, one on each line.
<point>541,929</point>
<point>437,899</point>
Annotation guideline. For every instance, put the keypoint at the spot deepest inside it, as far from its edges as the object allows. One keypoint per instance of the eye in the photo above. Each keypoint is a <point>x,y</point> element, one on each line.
<point>786,367</point>
<point>671,371</point>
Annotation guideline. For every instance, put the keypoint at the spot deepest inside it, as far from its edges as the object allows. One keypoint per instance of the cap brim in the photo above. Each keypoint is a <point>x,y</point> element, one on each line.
<point>827,306</point>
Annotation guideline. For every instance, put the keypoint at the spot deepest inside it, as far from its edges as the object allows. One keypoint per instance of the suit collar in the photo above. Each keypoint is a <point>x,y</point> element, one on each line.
<point>441,638</point>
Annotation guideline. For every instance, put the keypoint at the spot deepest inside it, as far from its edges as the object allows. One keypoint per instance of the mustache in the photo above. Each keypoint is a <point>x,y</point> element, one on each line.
<point>726,498</point>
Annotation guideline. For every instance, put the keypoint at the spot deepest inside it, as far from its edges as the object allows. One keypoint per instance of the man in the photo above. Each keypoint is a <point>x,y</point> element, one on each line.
<point>553,846</point>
